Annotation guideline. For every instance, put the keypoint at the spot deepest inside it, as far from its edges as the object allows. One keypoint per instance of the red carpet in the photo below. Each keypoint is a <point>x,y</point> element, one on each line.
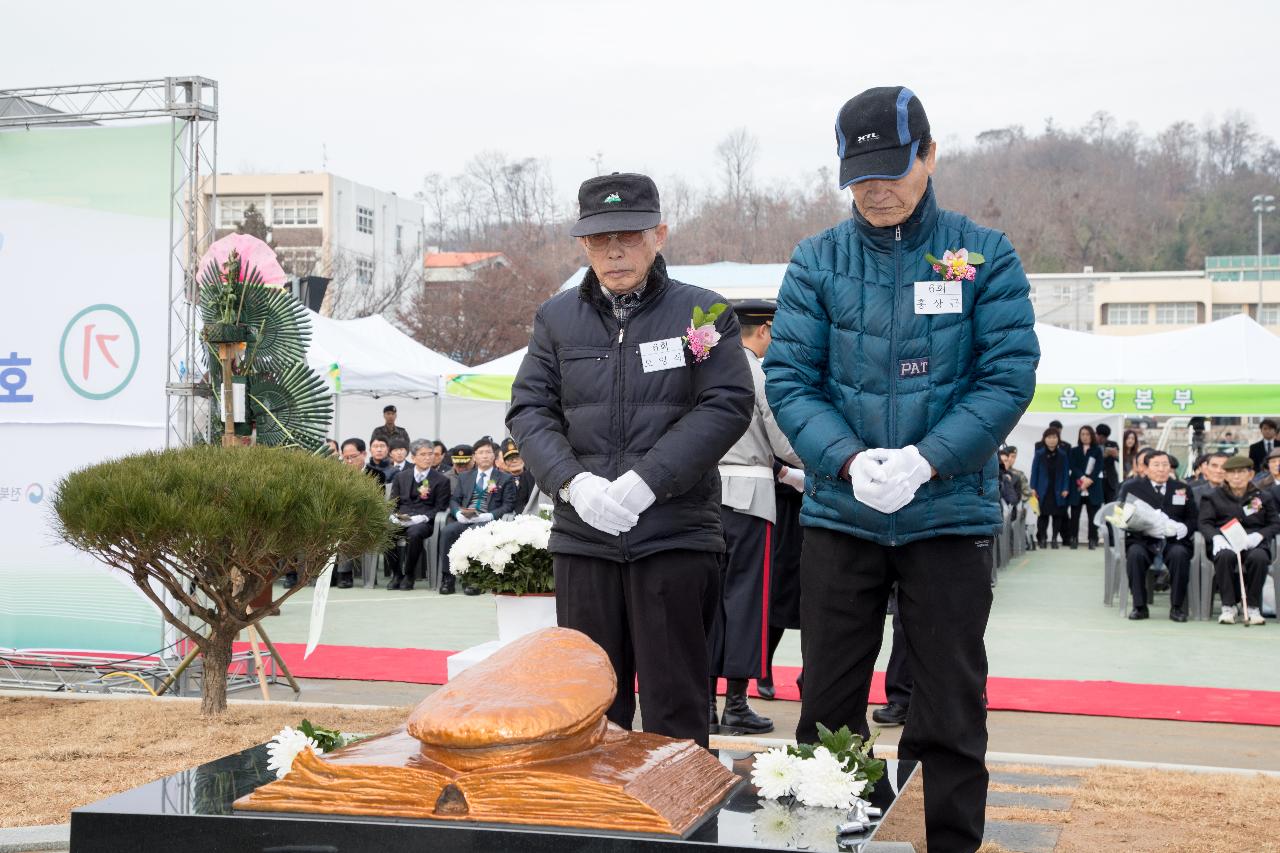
<point>1051,696</point>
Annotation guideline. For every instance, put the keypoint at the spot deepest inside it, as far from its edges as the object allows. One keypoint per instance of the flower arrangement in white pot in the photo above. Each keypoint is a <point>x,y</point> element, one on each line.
<point>510,559</point>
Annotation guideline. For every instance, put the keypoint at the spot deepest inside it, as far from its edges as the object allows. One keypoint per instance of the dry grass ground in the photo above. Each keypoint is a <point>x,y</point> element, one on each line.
<point>56,754</point>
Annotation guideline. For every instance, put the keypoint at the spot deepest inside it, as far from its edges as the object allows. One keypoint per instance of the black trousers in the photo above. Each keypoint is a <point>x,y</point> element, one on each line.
<point>1227,575</point>
<point>651,616</point>
<point>1059,517</point>
<point>739,632</point>
<point>944,597</point>
<point>897,673</point>
<point>1177,559</point>
<point>415,535</point>
<point>1073,526</point>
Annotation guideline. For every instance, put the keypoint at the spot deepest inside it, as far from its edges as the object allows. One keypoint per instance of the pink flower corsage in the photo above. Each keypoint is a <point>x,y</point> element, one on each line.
<point>958,265</point>
<point>701,334</point>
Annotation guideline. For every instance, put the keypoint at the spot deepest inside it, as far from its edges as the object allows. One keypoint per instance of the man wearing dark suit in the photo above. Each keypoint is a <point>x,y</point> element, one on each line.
<point>419,493</point>
<point>515,467</point>
<point>1259,449</point>
<point>484,493</point>
<point>1174,499</point>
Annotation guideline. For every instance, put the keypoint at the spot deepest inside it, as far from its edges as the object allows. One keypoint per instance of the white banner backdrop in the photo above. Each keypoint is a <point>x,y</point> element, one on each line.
<point>84,272</point>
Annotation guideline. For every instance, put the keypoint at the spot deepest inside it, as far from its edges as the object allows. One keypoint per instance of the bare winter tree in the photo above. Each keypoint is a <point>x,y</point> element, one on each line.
<point>737,155</point>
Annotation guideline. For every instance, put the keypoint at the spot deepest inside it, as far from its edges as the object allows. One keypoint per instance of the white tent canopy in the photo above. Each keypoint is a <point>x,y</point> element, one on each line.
<point>1234,351</point>
<point>376,358</point>
<point>507,365</point>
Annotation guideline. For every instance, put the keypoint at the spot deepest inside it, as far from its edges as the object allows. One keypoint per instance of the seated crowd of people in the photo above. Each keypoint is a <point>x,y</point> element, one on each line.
<point>1068,481</point>
<point>472,484</point>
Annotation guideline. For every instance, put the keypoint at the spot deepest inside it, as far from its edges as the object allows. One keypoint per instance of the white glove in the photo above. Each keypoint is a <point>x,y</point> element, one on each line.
<point>632,492</point>
<point>417,519</point>
<point>395,520</point>
<point>1179,530</point>
<point>873,487</point>
<point>589,496</point>
<point>1253,540</point>
<point>906,462</point>
<point>1220,544</point>
<point>482,518</point>
<point>460,517</point>
<point>794,477</point>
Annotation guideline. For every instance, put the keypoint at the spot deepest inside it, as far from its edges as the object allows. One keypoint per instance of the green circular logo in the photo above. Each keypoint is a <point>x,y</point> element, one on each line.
<point>99,352</point>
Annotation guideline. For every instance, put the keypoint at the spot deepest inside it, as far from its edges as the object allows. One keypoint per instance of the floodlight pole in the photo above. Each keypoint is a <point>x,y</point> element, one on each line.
<point>1261,204</point>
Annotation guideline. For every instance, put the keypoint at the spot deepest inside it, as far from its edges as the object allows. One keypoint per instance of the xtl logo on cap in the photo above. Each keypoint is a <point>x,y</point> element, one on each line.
<point>867,137</point>
<point>613,198</point>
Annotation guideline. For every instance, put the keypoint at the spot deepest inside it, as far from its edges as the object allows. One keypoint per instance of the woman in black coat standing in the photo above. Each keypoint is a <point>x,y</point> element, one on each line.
<point>1050,480</point>
<point>1086,485</point>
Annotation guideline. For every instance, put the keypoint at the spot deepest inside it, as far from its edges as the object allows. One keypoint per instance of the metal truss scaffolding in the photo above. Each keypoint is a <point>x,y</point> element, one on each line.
<point>191,105</point>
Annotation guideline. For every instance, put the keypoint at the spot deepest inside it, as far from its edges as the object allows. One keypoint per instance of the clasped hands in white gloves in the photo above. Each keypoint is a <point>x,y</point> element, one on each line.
<point>471,519</point>
<point>612,508</point>
<point>887,480</point>
<point>1174,529</point>
<point>1220,543</point>
<point>413,519</point>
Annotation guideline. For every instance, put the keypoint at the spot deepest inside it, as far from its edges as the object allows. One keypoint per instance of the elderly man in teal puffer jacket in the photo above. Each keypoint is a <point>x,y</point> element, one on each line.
<point>904,352</point>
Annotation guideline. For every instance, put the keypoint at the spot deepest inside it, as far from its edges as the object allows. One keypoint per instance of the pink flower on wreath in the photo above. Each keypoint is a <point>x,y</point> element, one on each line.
<point>701,340</point>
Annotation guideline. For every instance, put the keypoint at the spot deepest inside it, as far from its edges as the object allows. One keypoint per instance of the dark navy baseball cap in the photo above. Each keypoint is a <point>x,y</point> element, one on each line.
<point>878,134</point>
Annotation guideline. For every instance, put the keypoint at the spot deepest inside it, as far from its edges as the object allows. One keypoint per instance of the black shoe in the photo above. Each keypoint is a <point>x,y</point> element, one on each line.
<point>738,718</point>
<point>446,589</point>
<point>764,686</point>
<point>1042,544</point>
<point>1053,546</point>
<point>290,582</point>
<point>1093,546</point>
<point>345,583</point>
<point>1178,614</point>
<point>470,590</point>
<point>1075,546</point>
<point>407,586</point>
<point>892,714</point>
<point>1139,613</point>
<point>395,582</point>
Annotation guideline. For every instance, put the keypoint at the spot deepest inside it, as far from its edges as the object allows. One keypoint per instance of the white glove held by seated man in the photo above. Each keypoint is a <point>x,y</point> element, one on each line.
<point>632,492</point>
<point>1174,529</point>
<point>1220,544</point>
<point>589,495</point>
<point>417,519</point>
<point>1253,540</point>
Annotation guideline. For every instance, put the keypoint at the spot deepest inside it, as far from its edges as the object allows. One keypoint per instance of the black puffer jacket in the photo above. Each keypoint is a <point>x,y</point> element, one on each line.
<point>582,402</point>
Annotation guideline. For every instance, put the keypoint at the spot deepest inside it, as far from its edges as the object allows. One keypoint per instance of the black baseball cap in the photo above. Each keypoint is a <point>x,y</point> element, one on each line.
<point>878,134</point>
<point>622,201</point>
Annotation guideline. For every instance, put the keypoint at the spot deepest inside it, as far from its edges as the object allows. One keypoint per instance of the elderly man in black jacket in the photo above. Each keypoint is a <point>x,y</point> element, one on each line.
<point>418,492</point>
<point>633,388</point>
<point>1240,500</point>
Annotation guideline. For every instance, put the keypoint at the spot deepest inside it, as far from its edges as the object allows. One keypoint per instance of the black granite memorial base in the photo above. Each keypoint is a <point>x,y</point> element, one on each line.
<point>191,812</point>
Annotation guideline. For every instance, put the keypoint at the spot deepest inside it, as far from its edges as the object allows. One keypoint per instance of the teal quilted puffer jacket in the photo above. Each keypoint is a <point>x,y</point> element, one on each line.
<point>853,366</point>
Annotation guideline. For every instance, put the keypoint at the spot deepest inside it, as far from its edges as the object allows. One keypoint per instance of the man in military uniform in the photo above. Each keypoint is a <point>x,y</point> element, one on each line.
<point>388,430</point>
<point>748,510</point>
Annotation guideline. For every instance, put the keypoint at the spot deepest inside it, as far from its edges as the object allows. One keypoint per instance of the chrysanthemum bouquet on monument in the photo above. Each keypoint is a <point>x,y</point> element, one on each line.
<point>832,773</point>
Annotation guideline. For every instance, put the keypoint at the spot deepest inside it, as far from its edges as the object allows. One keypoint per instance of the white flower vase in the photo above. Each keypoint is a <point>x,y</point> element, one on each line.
<point>523,614</point>
<point>517,615</point>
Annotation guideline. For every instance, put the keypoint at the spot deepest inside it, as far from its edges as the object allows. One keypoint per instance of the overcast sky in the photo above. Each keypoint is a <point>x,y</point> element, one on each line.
<point>393,91</point>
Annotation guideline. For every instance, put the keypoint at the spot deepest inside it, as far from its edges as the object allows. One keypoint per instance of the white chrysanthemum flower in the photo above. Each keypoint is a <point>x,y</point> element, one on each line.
<point>774,824</point>
<point>824,782</point>
<point>817,828</point>
<point>285,747</point>
<point>775,773</point>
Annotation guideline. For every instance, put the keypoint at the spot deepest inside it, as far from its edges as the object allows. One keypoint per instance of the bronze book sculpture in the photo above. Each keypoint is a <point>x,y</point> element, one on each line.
<point>518,738</point>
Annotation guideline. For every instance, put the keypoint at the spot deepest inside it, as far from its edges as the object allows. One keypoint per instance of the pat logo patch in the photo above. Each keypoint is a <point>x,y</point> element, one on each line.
<point>913,367</point>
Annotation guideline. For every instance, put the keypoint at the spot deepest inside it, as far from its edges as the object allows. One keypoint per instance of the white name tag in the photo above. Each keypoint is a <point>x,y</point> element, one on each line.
<point>662,355</point>
<point>1179,500</point>
<point>1248,511</point>
<point>939,297</point>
